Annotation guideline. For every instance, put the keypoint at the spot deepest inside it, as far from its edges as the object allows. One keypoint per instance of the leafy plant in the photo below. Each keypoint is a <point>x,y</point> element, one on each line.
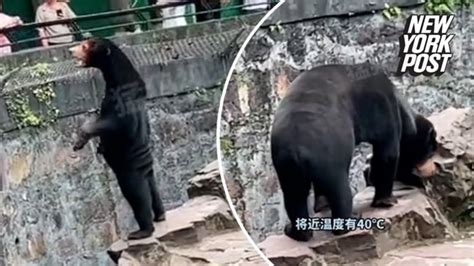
<point>391,12</point>
<point>21,112</point>
<point>40,70</point>
<point>277,27</point>
<point>445,7</point>
<point>227,145</point>
<point>19,105</point>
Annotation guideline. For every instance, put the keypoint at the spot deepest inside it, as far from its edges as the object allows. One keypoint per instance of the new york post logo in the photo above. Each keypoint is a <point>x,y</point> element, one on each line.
<point>425,45</point>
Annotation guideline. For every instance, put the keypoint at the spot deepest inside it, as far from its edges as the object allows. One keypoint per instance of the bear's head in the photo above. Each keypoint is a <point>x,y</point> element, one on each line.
<point>427,146</point>
<point>417,152</point>
<point>93,52</point>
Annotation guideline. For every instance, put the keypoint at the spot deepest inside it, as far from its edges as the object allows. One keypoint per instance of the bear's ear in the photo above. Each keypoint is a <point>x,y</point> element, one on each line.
<point>432,141</point>
<point>108,51</point>
<point>432,133</point>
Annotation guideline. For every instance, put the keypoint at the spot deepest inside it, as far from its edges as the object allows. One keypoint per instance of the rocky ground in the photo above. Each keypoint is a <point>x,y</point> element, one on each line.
<point>420,229</point>
<point>413,221</point>
<point>200,232</point>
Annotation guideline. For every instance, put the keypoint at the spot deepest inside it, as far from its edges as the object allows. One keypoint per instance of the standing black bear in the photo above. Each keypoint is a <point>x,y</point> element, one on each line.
<point>124,130</point>
<point>327,111</point>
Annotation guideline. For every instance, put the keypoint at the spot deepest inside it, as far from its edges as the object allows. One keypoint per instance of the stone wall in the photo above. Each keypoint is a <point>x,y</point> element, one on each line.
<point>60,207</point>
<point>280,51</point>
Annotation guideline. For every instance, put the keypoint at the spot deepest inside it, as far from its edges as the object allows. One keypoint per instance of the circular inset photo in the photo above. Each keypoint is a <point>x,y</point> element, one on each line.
<point>346,133</point>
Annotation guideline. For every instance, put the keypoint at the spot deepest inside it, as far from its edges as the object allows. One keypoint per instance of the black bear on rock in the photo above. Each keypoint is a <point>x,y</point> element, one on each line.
<point>123,129</point>
<point>327,111</point>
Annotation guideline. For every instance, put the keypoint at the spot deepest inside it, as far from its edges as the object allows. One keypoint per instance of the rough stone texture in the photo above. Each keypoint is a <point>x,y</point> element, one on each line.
<point>223,249</point>
<point>450,253</point>
<point>295,11</point>
<point>53,190</point>
<point>276,55</point>
<point>200,232</point>
<point>414,218</point>
<point>73,199</point>
<point>453,186</point>
<point>231,248</point>
<point>198,217</point>
<point>207,182</point>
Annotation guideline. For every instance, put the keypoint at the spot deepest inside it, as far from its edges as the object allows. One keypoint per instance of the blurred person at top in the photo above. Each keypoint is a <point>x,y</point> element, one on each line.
<point>177,12</point>
<point>6,21</point>
<point>207,7</point>
<point>255,5</point>
<point>52,10</point>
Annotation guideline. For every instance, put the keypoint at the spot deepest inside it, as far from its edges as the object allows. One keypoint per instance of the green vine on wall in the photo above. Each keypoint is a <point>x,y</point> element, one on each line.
<point>391,12</point>
<point>19,105</point>
<point>445,7</point>
<point>227,146</point>
<point>277,28</point>
<point>432,7</point>
<point>40,70</point>
<point>19,108</point>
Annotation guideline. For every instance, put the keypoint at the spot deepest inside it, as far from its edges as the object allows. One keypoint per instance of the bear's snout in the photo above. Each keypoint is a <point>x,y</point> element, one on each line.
<point>426,169</point>
<point>78,54</point>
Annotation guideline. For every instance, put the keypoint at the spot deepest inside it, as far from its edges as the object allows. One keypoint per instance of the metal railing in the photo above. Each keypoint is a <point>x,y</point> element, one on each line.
<point>113,14</point>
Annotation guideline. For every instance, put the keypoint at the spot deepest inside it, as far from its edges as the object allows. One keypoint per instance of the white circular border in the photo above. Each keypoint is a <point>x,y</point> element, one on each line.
<point>218,130</point>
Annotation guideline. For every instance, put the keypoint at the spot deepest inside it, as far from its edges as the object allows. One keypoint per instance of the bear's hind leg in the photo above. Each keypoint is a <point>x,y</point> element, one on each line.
<point>156,202</point>
<point>320,201</point>
<point>339,196</point>
<point>382,174</point>
<point>296,205</point>
<point>295,188</point>
<point>136,191</point>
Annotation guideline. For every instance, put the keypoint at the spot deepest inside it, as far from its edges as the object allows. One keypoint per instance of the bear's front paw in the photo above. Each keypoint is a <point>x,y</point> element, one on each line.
<point>297,234</point>
<point>384,202</point>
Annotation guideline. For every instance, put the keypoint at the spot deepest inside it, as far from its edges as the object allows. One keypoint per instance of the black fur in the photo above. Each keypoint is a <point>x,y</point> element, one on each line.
<point>207,6</point>
<point>328,111</point>
<point>415,151</point>
<point>124,132</point>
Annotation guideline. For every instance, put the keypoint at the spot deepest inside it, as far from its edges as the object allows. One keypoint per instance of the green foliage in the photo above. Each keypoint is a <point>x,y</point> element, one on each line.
<point>19,108</point>
<point>445,7</point>
<point>40,70</point>
<point>227,145</point>
<point>202,94</point>
<point>391,12</point>
<point>45,94</point>
<point>277,27</point>
<point>432,7</point>
<point>19,105</point>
